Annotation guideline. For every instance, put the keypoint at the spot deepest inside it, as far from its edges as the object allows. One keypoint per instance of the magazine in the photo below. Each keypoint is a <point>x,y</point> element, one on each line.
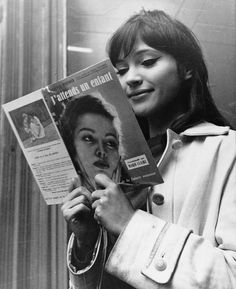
<point>80,126</point>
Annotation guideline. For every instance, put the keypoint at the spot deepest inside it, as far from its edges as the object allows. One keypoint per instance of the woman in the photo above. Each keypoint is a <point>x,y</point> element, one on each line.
<point>25,122</point>
<point>36,127</point>
<point>186,239</point>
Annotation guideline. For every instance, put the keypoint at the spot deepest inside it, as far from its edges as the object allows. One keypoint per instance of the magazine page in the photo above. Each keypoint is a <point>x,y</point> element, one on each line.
<point>42,145</point>
<point>81,126</point>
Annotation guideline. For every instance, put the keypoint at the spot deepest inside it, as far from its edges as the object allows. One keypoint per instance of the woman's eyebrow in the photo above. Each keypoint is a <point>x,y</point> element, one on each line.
<point>137,53</point>
<point>145,50</point>
<point>86,129</point>
<point>111,134</point>
<point>148,51</point>
<point>93,131</point>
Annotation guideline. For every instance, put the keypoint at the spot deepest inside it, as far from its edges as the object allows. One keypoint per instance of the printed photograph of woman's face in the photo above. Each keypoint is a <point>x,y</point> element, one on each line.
<point>93,136</point>
<point>96,143</point>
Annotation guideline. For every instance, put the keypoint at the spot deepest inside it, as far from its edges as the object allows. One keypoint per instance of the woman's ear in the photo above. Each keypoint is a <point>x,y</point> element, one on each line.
<point>184,71</point>
<point>187,74</point>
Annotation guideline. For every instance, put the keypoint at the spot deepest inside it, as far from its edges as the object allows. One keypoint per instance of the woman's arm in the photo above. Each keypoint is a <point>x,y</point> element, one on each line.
<point>85,242</point>
<point>87,274</point>
<point>151,253</point>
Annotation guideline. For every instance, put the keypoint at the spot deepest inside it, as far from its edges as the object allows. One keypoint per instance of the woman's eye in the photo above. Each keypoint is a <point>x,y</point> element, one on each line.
<point>88,139</point>
<point>112,144</point>
<point>149,62</point>
<point>121,71</point>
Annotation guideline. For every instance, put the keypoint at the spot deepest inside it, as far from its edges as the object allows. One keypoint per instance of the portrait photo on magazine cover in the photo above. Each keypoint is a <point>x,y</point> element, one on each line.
<point>92,131</point>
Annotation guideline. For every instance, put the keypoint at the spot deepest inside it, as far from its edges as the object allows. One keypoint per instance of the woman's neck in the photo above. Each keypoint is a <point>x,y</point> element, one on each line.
<point>159,125</point>
<point>160,122</point>
<point>156,128</point>
<point>163,117</point>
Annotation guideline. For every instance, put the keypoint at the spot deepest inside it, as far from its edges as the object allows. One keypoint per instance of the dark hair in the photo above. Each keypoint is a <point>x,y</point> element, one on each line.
<point>74,109</point>
<point>160,31</point>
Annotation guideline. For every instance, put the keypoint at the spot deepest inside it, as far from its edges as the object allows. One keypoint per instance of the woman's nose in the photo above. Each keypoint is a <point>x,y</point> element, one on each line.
<point>100,152</point>
<point>133,77</point>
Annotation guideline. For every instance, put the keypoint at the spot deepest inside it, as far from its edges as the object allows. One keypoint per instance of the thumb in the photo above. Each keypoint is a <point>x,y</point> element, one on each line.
<point>75,183</point>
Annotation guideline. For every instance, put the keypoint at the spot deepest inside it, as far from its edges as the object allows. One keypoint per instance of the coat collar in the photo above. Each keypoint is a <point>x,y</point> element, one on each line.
<point>206,128</point>
<point>174,140</point>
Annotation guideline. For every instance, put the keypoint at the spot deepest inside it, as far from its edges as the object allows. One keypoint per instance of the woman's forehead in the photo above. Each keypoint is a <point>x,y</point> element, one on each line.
<point>139,48</point>
<point>96,121</point>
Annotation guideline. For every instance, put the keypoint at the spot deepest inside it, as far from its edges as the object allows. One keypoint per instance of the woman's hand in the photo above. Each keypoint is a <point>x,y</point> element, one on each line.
<point>112,209</point>
<point>78,213</point>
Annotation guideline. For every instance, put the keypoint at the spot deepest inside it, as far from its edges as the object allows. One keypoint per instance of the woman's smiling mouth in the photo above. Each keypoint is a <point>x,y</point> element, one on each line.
<point>139,93</point>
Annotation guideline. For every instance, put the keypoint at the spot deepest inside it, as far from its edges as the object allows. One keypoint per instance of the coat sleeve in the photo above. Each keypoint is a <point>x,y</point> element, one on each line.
<point>151,253</point>
<point>147,251</point>
<point>90,276</point>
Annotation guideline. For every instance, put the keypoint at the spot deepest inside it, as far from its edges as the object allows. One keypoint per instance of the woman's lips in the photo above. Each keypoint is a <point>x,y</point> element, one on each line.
<point>140,92</point>
<point>101,164</point>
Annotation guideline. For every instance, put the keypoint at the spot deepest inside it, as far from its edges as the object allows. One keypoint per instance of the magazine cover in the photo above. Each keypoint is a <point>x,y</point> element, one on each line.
<point>81,126</point>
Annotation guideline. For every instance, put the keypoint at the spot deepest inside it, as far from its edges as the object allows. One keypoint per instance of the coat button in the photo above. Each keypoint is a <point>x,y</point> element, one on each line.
<point>158,199</point>
<point>160,264</point>
<point>177,144</point>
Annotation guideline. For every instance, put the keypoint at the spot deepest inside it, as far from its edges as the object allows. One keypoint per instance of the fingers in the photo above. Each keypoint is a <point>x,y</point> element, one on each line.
<point>77,192</point>
<point>80,199</point>
<point>78,213</point>
<point>77,202</point>
<point>103,181</point>
<point>104,198</point>
<point>97,215</point>
<point>75,182</point>
<point>76,208</point>
<point>99,200</point>
<point>109,189</point>
<point>111,207</point>
<point>96,195</point>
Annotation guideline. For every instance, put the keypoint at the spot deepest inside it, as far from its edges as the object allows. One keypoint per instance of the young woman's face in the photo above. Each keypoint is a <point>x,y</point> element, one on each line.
<point>150,80</point>
<point>96,144</point>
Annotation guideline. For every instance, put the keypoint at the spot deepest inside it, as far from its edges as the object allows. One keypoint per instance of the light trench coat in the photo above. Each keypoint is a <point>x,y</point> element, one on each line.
<point>189,241</point>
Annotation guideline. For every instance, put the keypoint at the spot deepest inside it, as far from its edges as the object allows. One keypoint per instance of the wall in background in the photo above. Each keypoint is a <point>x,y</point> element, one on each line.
<point>33,235</point>
<point>91,22</point>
